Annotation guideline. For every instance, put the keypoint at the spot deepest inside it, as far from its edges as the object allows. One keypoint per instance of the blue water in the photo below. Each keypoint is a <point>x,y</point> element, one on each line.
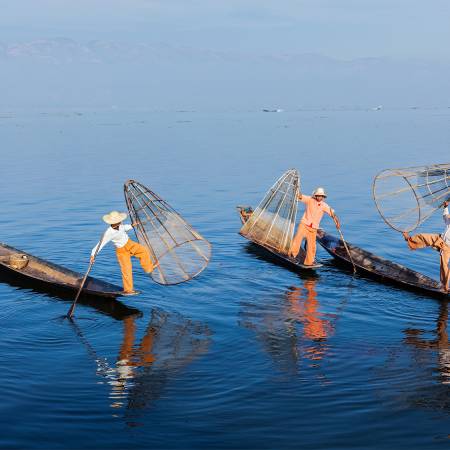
<point>249,354</point>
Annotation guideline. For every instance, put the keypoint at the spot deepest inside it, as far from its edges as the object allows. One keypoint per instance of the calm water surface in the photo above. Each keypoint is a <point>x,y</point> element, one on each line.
<point>249,354</point>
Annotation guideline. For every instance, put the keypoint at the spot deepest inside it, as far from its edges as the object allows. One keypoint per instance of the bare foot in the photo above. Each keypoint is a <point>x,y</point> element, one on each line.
<point>127,293</point>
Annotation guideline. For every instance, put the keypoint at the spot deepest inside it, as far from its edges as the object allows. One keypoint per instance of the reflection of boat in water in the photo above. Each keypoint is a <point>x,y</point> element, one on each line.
<point>109,306</point>
<point>144,367</point>
<point>295,331</point>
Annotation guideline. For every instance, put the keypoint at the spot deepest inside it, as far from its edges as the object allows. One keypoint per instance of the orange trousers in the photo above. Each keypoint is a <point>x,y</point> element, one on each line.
<point>308,233</point>
<point>124,255</point>
<point>435,241</point>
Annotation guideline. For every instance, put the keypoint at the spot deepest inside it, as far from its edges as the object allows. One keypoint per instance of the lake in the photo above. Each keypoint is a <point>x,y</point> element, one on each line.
<point>248,354</point>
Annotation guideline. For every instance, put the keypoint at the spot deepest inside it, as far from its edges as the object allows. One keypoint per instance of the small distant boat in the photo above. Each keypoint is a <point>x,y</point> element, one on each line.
<point>44,274</point>
<point>379,268</point>
<point>278,110</point>
<point>377,108</point>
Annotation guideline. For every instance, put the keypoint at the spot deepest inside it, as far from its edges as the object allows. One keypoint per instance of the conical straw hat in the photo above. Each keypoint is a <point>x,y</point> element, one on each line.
<point>114,217</point>
<point>319,191</point>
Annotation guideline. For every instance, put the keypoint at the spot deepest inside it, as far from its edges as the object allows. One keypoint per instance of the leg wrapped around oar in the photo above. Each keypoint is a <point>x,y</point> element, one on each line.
<point>124,255</point>
<point>435,241</point>
<point>445,271</point>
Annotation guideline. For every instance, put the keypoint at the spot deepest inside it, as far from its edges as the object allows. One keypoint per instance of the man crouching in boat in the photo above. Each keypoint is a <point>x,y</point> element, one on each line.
<point>439,242</point>
<point>125,249</point>
<point>307,229</point>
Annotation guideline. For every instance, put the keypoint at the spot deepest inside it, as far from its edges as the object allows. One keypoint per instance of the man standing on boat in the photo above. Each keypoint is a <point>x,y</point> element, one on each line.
<point>125,249</point>
<point>441,243</point>
<point>315,207</point>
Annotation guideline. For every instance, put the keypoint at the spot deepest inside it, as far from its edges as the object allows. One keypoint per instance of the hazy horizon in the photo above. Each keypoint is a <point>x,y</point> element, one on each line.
<point>224,54</point>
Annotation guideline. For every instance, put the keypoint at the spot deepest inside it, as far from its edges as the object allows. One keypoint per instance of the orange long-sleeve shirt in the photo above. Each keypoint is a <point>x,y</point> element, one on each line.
<point>314,211</point>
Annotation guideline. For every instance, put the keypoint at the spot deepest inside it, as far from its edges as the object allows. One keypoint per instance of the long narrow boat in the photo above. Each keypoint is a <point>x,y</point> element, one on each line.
<point>294,263</point>
<point>44,274</point>
<point>379,268</point>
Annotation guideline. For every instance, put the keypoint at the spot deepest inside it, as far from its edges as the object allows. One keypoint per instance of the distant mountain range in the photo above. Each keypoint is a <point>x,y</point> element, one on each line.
<point>63,71</point>
<point>67,51</point>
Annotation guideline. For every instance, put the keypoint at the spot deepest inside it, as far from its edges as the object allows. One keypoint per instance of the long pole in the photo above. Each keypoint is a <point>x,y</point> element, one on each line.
<point>91,263</point>
<point>346,248</point>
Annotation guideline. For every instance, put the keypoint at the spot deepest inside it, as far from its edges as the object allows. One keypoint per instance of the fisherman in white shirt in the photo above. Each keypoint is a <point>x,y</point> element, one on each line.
<point>125,249</point>
<point>438,242</point>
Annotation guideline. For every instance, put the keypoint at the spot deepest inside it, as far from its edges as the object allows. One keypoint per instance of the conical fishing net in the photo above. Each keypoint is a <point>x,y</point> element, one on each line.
<point>273,221</point>
<point>182,253</point>
<point>405,198</point>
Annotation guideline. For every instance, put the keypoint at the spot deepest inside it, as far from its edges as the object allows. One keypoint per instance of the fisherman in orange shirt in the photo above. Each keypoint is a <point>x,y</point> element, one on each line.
<point>315,207</point>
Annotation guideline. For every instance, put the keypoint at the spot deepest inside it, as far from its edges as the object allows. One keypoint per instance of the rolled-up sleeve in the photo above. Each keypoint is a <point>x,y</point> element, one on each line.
<point>305,198</point>
<point>328,210</point>
<point>446,215</point>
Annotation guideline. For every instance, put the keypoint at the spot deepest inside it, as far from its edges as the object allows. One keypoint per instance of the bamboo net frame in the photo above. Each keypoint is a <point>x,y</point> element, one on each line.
<point>405,198</point>
<point>273,221</point>
<point>182,253</point>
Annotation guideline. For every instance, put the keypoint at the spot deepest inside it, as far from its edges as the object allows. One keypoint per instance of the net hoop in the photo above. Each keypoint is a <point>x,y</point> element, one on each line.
<point>182,253</point>
<point>273,221</point>
<point>419,192</point>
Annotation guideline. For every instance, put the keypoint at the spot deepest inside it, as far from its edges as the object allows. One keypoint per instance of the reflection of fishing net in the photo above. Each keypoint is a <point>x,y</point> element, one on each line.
<point>273,221</point>
<point>181,252</point>
<point>405,198</point>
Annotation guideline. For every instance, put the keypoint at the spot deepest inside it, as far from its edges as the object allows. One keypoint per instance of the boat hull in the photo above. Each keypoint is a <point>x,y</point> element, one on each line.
<point>379,268</point>
<point>45,274</point>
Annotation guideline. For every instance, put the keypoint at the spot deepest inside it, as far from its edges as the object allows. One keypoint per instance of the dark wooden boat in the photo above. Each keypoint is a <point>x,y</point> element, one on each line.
<point>379,268</point>
<point>23,266</point>
<point>294,263</point>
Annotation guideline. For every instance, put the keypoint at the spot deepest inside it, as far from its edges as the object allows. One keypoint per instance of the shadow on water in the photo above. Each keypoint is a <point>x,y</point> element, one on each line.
<point>265,255</point>
<point>108,306</point>
<point>292,329</point>
<point>143,367</point>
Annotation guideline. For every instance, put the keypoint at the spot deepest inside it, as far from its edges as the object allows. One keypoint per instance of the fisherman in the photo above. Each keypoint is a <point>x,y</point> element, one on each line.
<point>307,229</point>
<point>440,242</point>
<point>125,249</point>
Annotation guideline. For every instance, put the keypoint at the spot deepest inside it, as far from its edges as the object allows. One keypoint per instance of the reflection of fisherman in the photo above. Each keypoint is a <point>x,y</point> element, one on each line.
<point>305,309</point>
<point>315,207</point>
<point>440,343</point>
<point>441,243</point>
<point>125,249</point>
<point>130,357</point>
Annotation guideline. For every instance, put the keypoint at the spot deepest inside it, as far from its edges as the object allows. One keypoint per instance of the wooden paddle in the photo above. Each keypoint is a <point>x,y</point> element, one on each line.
<point>91,263</point>
<point>345,243</point>
<point>348,251</point>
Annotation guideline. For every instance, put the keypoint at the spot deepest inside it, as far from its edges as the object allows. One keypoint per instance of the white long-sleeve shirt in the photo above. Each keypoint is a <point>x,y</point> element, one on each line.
<point>118,237</point>
<point>446,234</point>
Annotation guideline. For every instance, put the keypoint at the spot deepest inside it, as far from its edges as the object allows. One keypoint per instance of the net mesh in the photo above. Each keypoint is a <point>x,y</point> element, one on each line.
<point>181,251</point>
<point>405,198</point>
<point>273,221</point>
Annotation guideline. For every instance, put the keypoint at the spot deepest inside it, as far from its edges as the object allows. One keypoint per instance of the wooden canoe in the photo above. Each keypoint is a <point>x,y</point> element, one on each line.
<point>47,274</point>
<point>379,268</point>
<point>294,263</point>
